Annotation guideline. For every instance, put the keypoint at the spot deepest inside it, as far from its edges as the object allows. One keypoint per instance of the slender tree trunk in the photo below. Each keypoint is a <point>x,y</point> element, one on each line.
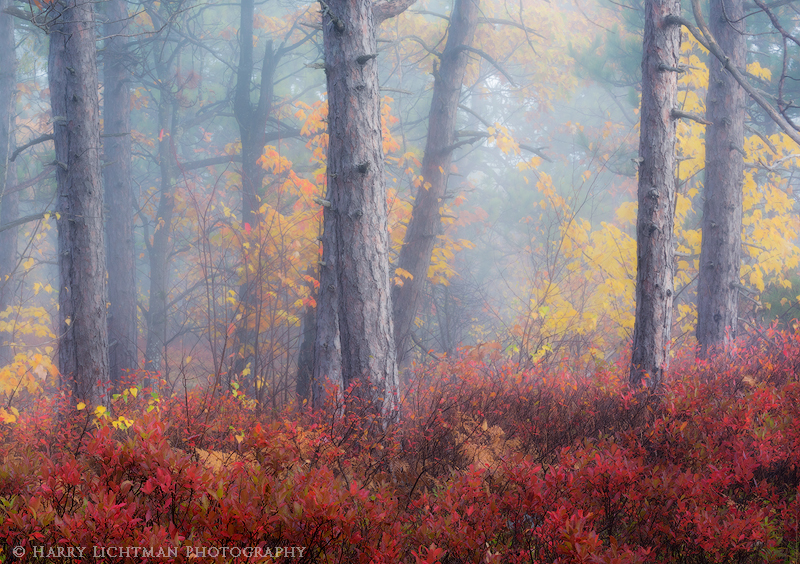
<point>162,236</point>
<point>305,358</point>
<point>355,299</point>
<point>9,203</point>
<point>72,69</point>
<point>252,120</point>
<point>721,249</point>
<point>656,194</point>
<point>415,256</point>
<point>9,212</point>
<point>122,354</point>
<point>327,344</point>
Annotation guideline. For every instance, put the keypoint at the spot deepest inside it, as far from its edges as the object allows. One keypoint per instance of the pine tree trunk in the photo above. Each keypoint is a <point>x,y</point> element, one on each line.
<point>355,297</point>
<point>122,354</point>
<point>656,194</point>
<point>415,256</point>
<point>72,69</point>
<point>9,203</point>
<point>721,249</point>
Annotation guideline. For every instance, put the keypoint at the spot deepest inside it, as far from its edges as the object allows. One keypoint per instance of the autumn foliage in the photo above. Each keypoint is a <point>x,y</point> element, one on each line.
<point>488,463</point>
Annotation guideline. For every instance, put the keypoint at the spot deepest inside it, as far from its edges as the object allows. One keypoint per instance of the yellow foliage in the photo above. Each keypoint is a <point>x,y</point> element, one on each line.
<point>758,71</point>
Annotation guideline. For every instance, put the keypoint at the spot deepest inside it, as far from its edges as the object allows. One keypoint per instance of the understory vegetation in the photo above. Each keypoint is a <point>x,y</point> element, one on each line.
<point>486,462</point>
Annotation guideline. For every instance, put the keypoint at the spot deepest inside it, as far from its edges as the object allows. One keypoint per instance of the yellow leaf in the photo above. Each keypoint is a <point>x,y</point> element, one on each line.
<point>134,391</point>
<point>81,406</point>
<point>404,273</point>
<point>99,411</point>
<point>7,417</point>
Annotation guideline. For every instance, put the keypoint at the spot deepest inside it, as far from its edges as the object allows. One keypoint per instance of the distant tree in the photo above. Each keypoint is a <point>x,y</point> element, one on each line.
<point>9,202</point>
<point>415,255</point>
<point>720,256</point>
<point>252,121</point>
<point>160,247</point>
<point>656,193</point>
<point>120,206</point>
<point>83,329</point>
<point>355,333</point>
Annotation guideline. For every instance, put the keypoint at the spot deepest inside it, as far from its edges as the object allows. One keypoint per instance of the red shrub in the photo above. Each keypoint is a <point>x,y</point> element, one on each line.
<point>487,464</point>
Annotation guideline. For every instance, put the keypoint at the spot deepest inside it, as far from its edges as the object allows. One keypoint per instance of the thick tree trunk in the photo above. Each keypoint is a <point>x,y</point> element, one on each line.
<point>721,249</point>
<point>122,354</point>
<point>415,256</point>
<point>252,120</point>
<point>656,194</point>
<point>9,202</point>
<point>354,280</point>
<point>72,69</point>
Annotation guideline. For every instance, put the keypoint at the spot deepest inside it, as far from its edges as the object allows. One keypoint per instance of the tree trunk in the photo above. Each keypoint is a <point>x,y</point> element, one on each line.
<point>355,298</point>
<point>162,236</point>
<point>9,203</point>
<point>656,194</point>
<point>122,354</point>
<point>305,358</point>
<point>252,120</point>
<point>415,255</point>
<point>721,249</point>
<point>72,70</point>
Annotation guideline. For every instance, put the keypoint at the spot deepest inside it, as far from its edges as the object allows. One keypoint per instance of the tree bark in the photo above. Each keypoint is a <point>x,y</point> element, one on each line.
<point>721,248</point>
<point>355,298</point>
<point>9,204</point>
<point>72,71</point>
<point>122,354</point>
<point>656,194</point>
<point>415,255</point>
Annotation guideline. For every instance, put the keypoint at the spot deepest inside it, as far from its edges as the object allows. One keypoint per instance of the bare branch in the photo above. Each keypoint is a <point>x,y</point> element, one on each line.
<point>23,220</point>
<point>678,114</point>
<point>489,58</point>
<point>211,161</point>
<point>511,23</point>
<point>761,136</point>
<point>704,36</point>
<point>384,9</point>
<point>48,171</point>
<point>31,143</point>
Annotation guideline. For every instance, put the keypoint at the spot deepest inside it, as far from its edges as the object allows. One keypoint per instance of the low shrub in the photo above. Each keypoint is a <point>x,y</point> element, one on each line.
<point>487,463</point>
